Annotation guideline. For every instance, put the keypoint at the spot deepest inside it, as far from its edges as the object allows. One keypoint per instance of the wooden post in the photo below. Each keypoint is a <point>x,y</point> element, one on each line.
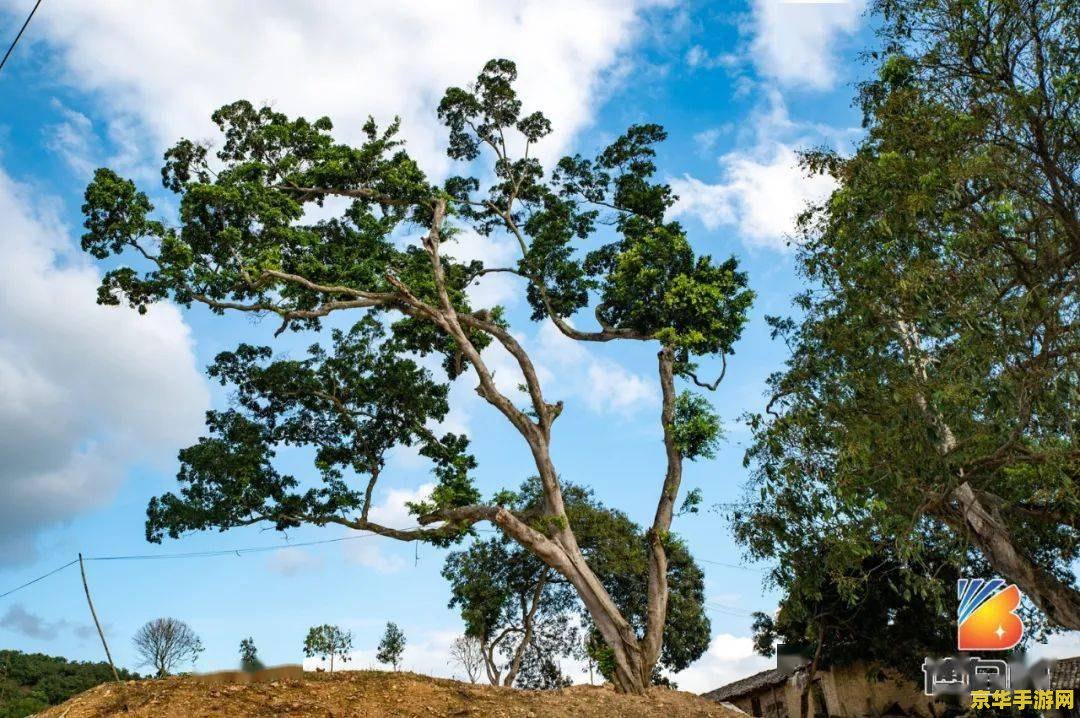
<point>86,587</point>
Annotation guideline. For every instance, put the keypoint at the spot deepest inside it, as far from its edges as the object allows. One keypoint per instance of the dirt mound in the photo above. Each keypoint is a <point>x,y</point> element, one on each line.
<point>372,694</point>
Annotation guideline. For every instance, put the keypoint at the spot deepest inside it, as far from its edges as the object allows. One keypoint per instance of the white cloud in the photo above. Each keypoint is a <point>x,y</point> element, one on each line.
<point>729,658</point>
<point>370,555</point>
<point>615,390</point>
<point>762,188</point>
<point>72,139</point>
<point>605,385</point>
<point>1057,646</point>
<point>294,561</point>
<point>795,40</point>
<point>85,391</point>
<point>699,57</point>
<point>428,654</point>
<point>394,512</point>
<point>761,197</point>
<point>164,66</point>
<point>76,141</point>
<point>370,551</point>
<point>496,288</point>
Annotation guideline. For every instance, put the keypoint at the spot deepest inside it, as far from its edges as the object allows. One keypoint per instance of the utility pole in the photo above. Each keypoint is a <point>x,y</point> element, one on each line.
<point>86,587</point>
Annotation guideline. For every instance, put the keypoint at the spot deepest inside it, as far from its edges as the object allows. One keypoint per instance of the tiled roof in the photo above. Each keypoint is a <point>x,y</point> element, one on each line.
<point>1066,674</point>
<point>750,684</point>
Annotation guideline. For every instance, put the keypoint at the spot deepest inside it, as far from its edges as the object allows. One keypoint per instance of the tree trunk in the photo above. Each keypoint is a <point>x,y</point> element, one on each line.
<point>657,586</point>
<point>558,549</point>
<point>528,616</point>
<point>1058,600</point>
<point>811,673</point>
<point>488,652</point>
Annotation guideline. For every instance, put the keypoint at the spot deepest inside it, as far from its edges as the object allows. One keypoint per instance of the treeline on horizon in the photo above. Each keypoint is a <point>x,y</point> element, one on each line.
<point>31,682</point>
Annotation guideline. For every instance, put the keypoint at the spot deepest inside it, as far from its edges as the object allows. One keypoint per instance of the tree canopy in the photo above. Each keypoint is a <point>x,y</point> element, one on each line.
<point>929,405</point>
<point>391,646</point>
<point>31,682</point>
<point>327,641</point>
<point>591,232</point>
<point>249,656</point>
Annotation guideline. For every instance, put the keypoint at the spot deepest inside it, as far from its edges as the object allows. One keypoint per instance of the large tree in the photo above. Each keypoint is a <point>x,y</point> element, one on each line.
<point>243,244</point>
<point>932,392</point>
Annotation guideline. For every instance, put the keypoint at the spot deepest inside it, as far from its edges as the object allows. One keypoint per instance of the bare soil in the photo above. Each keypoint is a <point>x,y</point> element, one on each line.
<point>372,694</point>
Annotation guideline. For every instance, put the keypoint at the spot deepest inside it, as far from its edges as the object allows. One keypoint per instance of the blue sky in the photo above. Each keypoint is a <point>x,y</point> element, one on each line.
<point>95,402</point>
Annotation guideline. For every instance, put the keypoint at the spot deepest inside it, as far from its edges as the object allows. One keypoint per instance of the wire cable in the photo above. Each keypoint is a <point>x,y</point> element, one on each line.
<point>730,610</point>
<point>230,551</point>
<point>732,565</point>
<point>39,578</point>
<point>16,42</point>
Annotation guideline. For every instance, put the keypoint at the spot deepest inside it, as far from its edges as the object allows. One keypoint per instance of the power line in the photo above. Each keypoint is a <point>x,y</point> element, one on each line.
<point>190,554</point>
<point>729,610</point>
<point>279,547</point>
<point>229,551</point>
<point>16,42</point>
<point>732,565</point>
<point>39,578</point>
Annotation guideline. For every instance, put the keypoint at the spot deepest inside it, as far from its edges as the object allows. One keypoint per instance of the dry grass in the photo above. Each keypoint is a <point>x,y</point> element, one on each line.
<point>372,694</point>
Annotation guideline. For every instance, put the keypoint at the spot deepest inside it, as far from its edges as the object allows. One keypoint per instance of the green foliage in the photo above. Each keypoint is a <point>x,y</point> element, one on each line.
<point>328,641</point>
<point>242,244</point>
<point>31,682</point>
<point>939,343</point>
<point>617,550</point>
<point>352,402</point>
<point>691,502</point>
<point>877,613</point>
<point>541,672</point>
<point>249,656</point>
<point>392,646</point>
<point>697,427</point>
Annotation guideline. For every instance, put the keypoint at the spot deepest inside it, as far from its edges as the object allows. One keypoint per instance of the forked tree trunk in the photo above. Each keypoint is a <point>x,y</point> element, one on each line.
<point>559,548</point>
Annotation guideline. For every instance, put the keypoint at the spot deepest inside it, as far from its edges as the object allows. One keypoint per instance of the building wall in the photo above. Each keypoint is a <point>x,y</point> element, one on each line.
<point>848,693</point>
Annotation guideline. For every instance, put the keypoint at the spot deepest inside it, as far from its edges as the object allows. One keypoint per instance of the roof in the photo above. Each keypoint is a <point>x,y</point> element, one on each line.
<point>1066,673</point>
<point>750,684</point>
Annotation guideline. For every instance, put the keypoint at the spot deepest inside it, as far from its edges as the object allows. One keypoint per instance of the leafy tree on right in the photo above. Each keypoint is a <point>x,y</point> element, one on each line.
<point>928,413</point>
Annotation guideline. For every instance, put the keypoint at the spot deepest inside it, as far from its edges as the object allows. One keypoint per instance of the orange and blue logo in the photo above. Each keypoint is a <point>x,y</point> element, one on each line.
<point>986,619</point>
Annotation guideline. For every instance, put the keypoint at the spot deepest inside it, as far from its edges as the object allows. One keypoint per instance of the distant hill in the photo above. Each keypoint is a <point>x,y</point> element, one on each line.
<point>31,682</point>
<point>374,694</point>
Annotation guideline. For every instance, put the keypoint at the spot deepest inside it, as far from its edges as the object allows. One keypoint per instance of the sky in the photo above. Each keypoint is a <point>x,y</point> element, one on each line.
<point>95,402</point>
